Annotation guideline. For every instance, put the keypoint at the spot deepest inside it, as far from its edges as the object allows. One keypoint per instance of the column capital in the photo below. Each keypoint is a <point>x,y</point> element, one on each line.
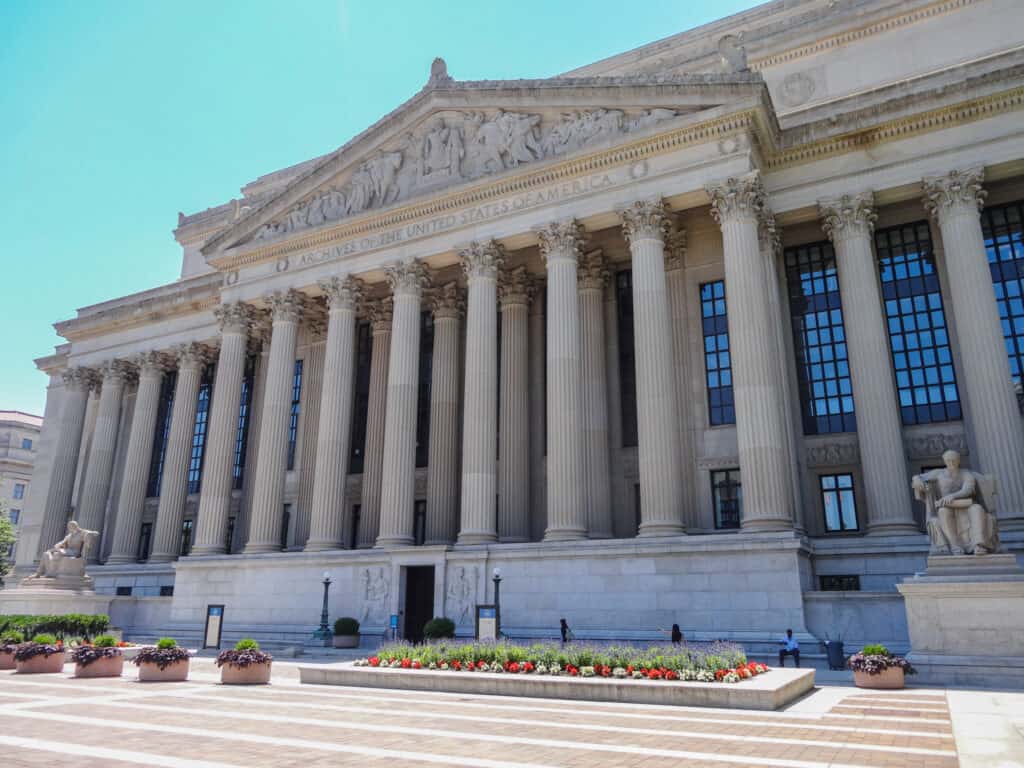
<point>769,233</point>
<point>380,313</point>
<point>482,259</point>
<point>955,189</point>
<point>342,292</point>
<point>151,363</point>
<point>115,371</point>
<point>236,317</point>
<point>79,377</point>
<point>191,355</point>
<point>737,197</point>
<point>675,249</point>
<point>446,301</point>
<point>593,271</point>
<point>408,278</point>
<point>848,215</point>
<point>515,287</point>
<point>286,306</point>
<point>645,219</point>
<point>561,240</point>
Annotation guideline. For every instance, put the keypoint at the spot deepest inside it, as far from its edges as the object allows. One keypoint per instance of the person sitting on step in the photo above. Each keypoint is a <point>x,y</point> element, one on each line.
<point>790,647</point>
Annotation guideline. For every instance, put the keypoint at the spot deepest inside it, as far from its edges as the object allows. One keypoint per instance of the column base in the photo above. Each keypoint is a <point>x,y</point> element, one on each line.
<point>438,543</point>
<point>476,537</point>
<point>121,560</point>
<point>322,546</point>
<point>564,534</point>
<point>513,540</point>
<point>893,529</point>
<point>198,551</point>
<point>161,557</point>
<point>1006,524</point>
<point>766,526</point>
<point>258,548</point>
<point>660,528</point>
<point>394,541</point>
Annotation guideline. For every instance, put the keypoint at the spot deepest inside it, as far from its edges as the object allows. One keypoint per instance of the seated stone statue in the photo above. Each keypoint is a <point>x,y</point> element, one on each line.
<point>67,558</point>
<point>955,498</point>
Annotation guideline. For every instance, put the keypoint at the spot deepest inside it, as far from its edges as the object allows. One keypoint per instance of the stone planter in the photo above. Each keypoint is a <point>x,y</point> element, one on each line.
<point>42,664</point>
<point>109,667</point>
<point>7,660</point>
<point>346,641</point>
<point>172,673</point>
<point>254,674</point>
<point>889,679</point>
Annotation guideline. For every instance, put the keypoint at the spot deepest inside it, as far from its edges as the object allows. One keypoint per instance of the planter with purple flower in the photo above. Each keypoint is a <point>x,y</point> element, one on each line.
<point>165,662</point>
<point>8,645</point>
<point>101,659</point>
<point>42,655</point>
<point>875,667</point>
<point>245,664</point>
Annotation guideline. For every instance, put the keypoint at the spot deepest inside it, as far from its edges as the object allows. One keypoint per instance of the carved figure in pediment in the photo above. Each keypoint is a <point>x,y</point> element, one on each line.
<point>649,117</point>
<point>442,151</point>
<point>333,204</point>
<point>315,211</point>
<point>484,150</point>
<point>383,171</point>
<point>734,55</point>
<point>521,136</point>
<point>360,191</point>
<point>408,175</point>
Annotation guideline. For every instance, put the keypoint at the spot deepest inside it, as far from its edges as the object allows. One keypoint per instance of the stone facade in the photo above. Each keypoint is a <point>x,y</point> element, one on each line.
<point>659,312</point>
<point>19,452</point>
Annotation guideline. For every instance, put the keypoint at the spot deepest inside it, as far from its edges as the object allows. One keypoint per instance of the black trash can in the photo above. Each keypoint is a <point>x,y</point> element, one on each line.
<point>836,659</point>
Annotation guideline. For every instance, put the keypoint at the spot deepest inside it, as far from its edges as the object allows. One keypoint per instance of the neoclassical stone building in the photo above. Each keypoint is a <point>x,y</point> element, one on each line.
<point>662,338</point>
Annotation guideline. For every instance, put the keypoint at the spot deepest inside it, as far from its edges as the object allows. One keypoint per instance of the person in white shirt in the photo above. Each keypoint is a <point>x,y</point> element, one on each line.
<point>790,647</point>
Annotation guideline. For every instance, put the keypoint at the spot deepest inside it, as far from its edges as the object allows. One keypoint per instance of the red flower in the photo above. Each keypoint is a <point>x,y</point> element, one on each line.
<point>528,666</point>
<point>671,675</point>
<point>629,669</point>
<point>720,674</point>
<point>481,664</point>
<point>572,670</point>
<point>406,663</point>
<point>654,674</point>
<point>417,665</point>
<point>512,666</point>
<point>456,665</point>
<point>605,672</point>
<point>374,661</point>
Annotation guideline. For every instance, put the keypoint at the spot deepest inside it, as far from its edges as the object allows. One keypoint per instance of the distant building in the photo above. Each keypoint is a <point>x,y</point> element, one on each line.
<point>19,442</point>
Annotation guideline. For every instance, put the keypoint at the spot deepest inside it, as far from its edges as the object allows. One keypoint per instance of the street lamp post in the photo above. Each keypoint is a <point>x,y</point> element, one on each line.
<point>497,601</point>
<point>324,633</point>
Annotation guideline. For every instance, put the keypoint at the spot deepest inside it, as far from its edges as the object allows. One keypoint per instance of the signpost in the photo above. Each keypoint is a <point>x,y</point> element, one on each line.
<point>487,623</point>
<point>394,626</point>
<point>214,625</point>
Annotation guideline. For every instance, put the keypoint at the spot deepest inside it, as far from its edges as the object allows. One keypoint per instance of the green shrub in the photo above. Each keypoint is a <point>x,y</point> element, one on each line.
<point>876,649</point>
<point>438,628</point>
<point>44,639</point>
<point>105,641</point>
<point>346,625</point>
<point>247,644</point>
<point>64,626</point>
<point>12,637</point>
<point>165,643</point>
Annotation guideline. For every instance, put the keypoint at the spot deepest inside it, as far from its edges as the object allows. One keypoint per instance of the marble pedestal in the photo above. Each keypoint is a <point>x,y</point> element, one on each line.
<point>52,602</point>
<point>965,616</point>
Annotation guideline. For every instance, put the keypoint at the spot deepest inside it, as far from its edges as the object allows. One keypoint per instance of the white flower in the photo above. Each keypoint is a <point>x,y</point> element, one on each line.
<point>444,665</point>
<point>541,669</point>
<point>619,672</point>
<point>433,665</point>
<point>586,671</point>
<point>638,675</point>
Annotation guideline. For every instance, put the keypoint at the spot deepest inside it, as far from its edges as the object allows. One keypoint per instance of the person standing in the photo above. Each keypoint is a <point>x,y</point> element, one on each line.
<point>567,635</point>
<point>675,634</point>
<point>790,647</point>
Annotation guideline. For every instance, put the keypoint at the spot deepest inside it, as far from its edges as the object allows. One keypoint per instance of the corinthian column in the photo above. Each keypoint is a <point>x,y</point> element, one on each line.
<point>645,225</point>
<point>77,382</point>
<point>332,449</point>
<point>481,262</point>
<point>151,367</point>
<point>93,506</point>
<point>373,456</point>
<point>560,246</point>
<point>398,492</point>
<point>272,453</point>
<point>538,514</point>
<point>174,482</point>
<point>219,457</point>
<point>514,456</point>
<point>849,222</point>
<point>955,201</point>
<point>443,456</point>
<point>597,487</point>
<point>736,205</point>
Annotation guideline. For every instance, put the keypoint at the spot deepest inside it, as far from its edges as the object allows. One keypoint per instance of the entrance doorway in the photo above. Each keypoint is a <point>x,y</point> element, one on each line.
<point>419,600</point>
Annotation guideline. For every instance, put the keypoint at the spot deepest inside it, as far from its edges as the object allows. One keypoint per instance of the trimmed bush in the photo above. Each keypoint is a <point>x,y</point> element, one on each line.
<point>439,628</point>
<point>247,644</point>
<point>44,639</point>
<point>11,638</point>
<point>877,649</point>
<point>65,626</point>
<point>105,641</point>
<point>346,625</point>
<point>166,643</point>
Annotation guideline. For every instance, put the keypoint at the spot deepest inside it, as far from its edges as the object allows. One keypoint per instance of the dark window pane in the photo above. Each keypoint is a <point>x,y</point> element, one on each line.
<point>195,463</point>
<point>727,496</point>
<point>361,399</point>
<point>627,357</point>
<point>1004,242</point>
<point>163,431</point>
<point>423,392</point>
<point>293,424</point>
<point>838,502</point>
<point>717,363</point>
<point>244,417</point>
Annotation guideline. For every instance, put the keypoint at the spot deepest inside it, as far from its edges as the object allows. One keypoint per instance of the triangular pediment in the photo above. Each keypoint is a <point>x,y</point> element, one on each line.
<point>459,133</point>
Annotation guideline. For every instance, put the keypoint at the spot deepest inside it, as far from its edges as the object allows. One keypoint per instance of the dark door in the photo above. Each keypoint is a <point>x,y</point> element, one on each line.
<point>419,600</point>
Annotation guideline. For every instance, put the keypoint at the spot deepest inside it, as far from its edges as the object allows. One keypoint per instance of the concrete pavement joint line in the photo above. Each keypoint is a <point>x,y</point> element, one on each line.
<point>534,723</point>
<point>84,750</point>
<point>894,707</point>
<point>430,732</point>
<point>281,741</point>
<point>916,720</point>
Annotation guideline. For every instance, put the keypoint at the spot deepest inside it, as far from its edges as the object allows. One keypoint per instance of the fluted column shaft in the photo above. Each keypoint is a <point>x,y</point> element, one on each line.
<point>538,498</point>
<point>272,455</point>
<point>177,455</point>
<point>757,390</point>
<point>661,489</point>
<point>332,448</point>
<point>398,492</point>
<point>597,487</point>
<point>93,506</point>
<point>514,416</point>
<point>376,407</point>
<point>136,469</point>
<point>65,457</point>
<point>443,450</point>
<point>560,245</point>
<point>849,223</point>
<point>221,436</point>
<point>955,200</point>
<point>478,523</point>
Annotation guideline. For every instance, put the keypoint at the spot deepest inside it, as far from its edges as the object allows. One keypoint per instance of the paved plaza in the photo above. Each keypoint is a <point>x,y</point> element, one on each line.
<point>49,718</point>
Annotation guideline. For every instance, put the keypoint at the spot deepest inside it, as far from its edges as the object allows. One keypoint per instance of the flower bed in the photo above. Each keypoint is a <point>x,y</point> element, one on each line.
<point>717,662</point>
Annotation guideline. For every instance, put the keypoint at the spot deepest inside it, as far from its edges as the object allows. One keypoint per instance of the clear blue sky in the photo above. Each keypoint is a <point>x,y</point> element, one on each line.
<point>116,115</point>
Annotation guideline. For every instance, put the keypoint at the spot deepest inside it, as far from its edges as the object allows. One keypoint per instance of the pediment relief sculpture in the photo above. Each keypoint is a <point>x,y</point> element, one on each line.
<point>454,147</point>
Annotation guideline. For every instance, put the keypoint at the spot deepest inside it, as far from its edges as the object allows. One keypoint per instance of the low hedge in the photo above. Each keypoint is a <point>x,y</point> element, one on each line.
<point>69,625</point>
